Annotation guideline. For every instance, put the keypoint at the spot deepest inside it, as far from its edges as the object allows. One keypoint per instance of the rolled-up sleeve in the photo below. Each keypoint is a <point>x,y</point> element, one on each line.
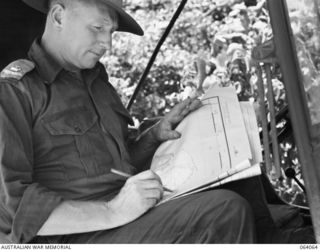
<point>24,204</point>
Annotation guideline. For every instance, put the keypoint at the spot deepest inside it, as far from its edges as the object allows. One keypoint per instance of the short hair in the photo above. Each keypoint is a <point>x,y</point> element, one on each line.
<point>113,14</point>
<point>66,3</point>
<point>53,2</point>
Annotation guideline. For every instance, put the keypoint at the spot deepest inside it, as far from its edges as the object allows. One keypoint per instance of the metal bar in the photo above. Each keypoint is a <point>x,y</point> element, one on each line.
<point>309,157</point>
<point>155,52</point>
<point>264,120</point>
<point>273,129</point>
<point>300,184</point>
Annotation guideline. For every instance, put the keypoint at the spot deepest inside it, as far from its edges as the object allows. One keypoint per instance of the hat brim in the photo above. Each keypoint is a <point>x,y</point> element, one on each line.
<point>126,22</point>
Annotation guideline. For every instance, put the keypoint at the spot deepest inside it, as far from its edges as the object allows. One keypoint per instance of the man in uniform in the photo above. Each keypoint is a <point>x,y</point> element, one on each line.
<point>63,141</point>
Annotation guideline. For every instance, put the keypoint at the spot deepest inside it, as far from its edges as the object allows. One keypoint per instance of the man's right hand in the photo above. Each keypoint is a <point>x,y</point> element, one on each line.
<point>140,193</point>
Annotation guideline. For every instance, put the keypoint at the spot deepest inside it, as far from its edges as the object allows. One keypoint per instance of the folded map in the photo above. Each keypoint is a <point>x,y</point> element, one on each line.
<point>219,143</point>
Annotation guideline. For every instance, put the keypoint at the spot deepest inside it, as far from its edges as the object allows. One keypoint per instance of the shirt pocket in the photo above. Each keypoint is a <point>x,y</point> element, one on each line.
<point>72,122</point>
<point>78,143</point>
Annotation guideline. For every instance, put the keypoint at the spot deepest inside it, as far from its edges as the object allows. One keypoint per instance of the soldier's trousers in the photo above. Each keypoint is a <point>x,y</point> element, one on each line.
<point>216,216</point>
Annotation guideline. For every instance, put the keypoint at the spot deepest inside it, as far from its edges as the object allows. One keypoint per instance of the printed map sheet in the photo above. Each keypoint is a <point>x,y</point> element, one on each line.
<point>214,145</point>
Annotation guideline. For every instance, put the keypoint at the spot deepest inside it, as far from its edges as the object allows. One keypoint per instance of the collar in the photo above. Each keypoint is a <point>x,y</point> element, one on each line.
<point>89,75</point>
<point>47,67</point>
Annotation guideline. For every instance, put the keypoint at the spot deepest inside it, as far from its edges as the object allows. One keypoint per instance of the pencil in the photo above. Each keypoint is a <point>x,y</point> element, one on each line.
<point>126,175</point>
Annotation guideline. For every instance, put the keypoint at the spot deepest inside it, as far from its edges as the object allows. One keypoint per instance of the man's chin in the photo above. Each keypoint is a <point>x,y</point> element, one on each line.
<point>89,65</point>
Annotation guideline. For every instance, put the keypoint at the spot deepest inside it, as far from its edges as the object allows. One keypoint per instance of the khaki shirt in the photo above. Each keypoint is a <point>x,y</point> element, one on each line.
<point>59,138</point>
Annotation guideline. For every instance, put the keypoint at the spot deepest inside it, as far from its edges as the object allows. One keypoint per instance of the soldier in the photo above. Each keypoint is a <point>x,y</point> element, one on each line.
<point>63,129</point>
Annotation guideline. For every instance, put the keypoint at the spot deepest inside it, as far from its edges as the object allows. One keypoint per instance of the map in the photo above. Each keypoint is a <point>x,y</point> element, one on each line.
<point>213,147</point>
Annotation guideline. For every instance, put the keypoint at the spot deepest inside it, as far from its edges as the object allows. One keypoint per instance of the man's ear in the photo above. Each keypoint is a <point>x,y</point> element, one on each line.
<point>56,15</point>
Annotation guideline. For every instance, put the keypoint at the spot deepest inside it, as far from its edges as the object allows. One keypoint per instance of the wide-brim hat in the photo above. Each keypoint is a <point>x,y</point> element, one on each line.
<point>126,22</point>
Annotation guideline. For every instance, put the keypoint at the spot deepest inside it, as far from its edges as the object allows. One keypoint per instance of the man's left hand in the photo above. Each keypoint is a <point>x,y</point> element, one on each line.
<point>164,130</point>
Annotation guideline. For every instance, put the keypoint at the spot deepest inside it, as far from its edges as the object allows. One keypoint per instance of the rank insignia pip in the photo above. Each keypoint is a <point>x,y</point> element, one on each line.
<point>17,69</point>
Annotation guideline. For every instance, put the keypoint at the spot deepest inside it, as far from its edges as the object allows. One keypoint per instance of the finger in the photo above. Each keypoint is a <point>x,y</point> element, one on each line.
<point>182,109</point>
<point>153,194</point>
<point>148,175</point>
<point>178,109</point>
<point>196,104</point>
<point>151,184</point>
<point>151,202</point>
<point>190,105</point>
<point>156,176</point>
<point>171,135</point>
<point>177,119</point>
<point>193,105</point>
<point>185,111</point>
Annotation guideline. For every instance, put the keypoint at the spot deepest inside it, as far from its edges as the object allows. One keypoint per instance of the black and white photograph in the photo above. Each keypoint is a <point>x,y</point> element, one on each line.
<point>159,122</point>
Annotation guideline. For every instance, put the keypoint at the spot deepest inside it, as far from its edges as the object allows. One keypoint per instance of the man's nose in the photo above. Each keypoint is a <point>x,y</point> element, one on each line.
<point>106,43</point>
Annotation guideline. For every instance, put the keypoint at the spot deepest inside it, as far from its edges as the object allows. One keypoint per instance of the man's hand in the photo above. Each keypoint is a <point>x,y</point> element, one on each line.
<point>164,130</point>
<point>144,147</point>
<point>140,193</point>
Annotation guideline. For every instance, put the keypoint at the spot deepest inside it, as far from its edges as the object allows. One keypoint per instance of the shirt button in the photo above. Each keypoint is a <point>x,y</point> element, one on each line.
<point>77,129</point>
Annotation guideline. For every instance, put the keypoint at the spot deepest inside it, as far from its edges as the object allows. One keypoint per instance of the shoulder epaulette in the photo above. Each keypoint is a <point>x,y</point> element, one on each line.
<point>17,69</point>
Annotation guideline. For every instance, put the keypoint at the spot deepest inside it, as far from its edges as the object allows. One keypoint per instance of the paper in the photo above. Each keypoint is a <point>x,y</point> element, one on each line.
<point>254,140</point>
<point>246,173</point>
<point>214,145</point>
<point>252,129</point>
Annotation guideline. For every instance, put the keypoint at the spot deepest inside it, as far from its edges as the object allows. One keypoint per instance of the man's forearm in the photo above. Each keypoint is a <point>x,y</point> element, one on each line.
<point>72,217</point>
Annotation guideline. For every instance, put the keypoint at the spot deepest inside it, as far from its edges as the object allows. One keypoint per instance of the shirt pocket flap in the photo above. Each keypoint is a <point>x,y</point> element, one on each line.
<point>71,122</point>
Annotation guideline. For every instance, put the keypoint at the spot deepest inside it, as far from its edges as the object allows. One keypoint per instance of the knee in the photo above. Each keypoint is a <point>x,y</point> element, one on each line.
<point>229,200</point>
<point>220,216</point>
<point>240,218</point>
<point>227,203</point>
<point>237,208</point>
<point>235,203</point>
<point>230,217</point>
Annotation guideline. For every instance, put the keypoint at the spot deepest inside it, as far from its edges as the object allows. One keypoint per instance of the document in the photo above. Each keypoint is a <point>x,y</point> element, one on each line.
<point>219,143</point>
